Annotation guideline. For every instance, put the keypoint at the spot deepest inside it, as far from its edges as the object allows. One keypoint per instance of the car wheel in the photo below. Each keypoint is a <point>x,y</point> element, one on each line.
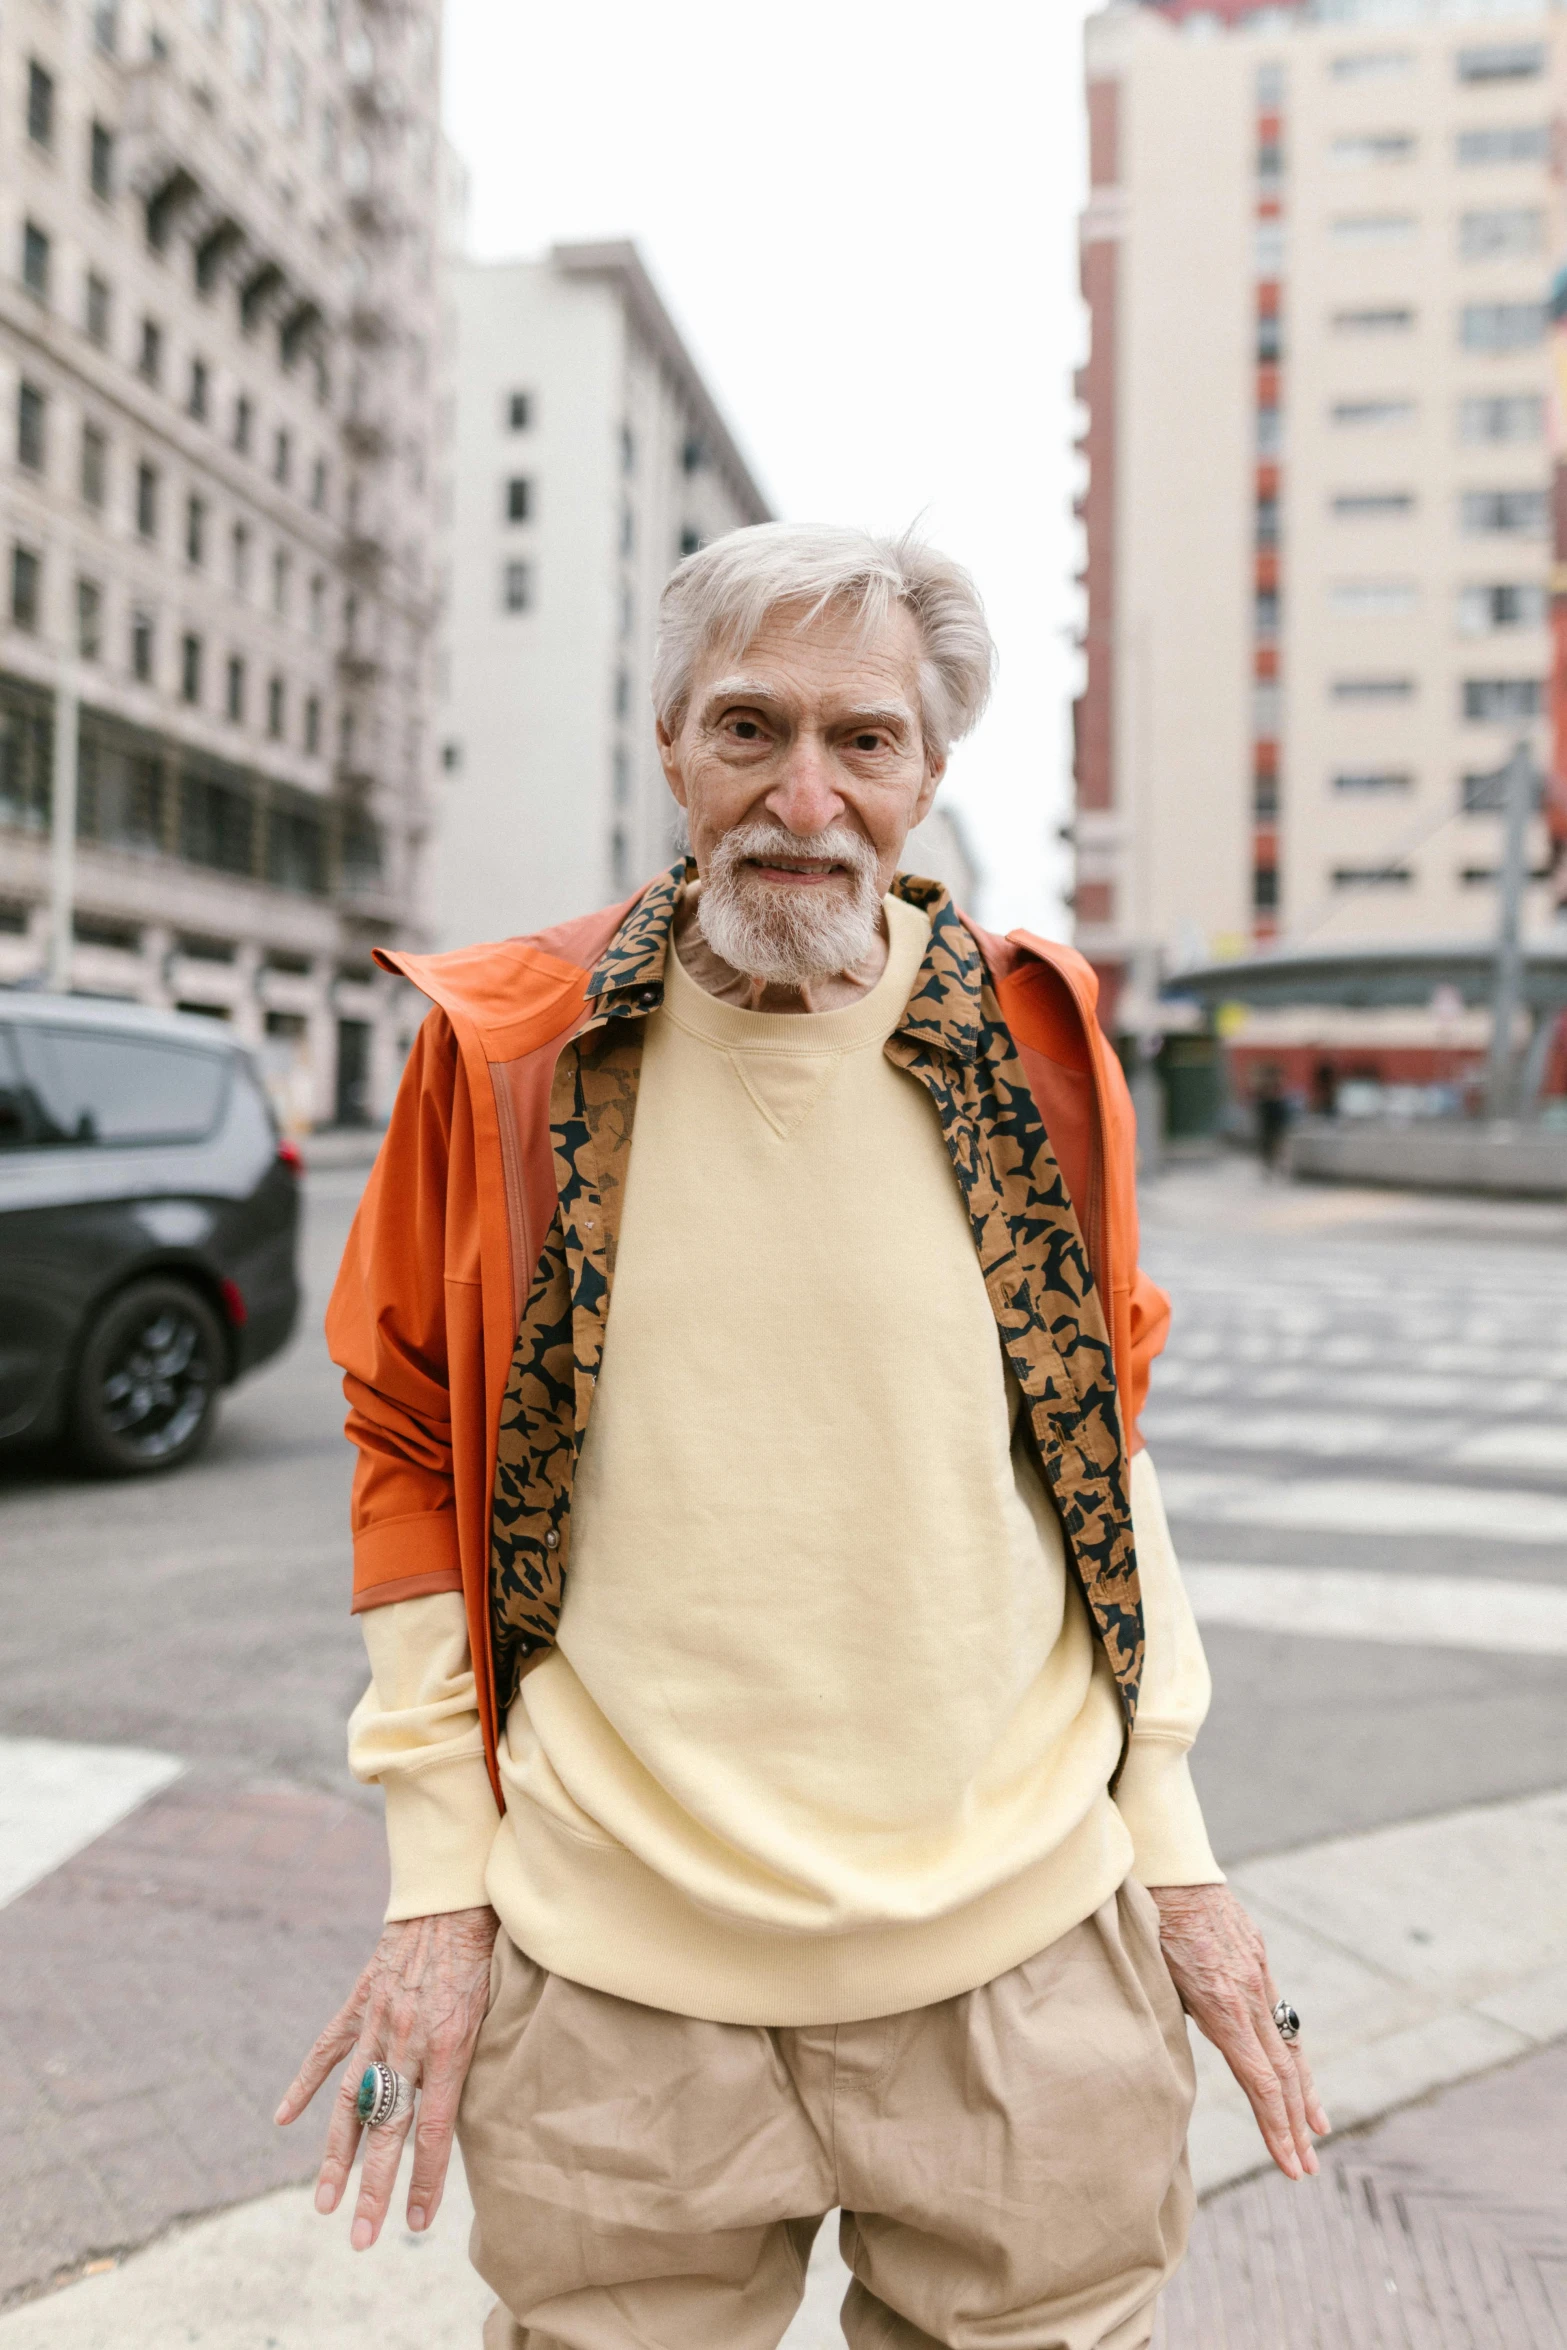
<point>147,1383</point>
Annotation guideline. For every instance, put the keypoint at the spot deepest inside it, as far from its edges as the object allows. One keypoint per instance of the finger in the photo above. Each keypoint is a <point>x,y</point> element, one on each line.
<point>329,2050</point>
<point>343,2132</point>
<point>377,2178</point>
<point>1252,2064</point>
<point>1311,2104</point>
<point>432,2147</point>
<point>1316,2112</point>
<point>1287,2072</point>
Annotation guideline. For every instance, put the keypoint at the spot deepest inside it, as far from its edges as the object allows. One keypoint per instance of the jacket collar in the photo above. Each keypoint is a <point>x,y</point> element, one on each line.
<point>944,1006</point>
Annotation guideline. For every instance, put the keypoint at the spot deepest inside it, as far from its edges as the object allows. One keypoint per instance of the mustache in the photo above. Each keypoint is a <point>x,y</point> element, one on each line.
<point>759,841</point>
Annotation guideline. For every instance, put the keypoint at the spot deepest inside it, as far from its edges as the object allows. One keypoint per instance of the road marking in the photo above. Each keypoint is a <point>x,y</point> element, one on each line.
<point>1422,1611</point>
<point>1365,1505</point>
<point>56,1798</point>
<point>1515,1448</point>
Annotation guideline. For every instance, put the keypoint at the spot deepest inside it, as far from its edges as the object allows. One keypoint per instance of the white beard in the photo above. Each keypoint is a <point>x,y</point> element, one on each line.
<point>784,936</point>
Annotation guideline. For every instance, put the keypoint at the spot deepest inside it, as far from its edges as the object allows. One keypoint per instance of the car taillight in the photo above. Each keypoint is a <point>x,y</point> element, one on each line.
<point>234,1304</point>
<point>291,1156</point>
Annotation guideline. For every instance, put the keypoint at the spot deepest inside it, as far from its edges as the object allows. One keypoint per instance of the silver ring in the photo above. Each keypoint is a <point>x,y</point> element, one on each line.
<point>384,2096</point>
<point>1287,2020</point>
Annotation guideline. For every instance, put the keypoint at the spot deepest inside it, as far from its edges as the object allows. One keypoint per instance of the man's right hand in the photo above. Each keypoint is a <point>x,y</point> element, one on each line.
<point>417,2007</point>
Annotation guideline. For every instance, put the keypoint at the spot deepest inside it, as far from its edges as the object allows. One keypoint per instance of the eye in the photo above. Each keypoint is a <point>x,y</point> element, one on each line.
<point>868,742</point>
<point>748,730</point>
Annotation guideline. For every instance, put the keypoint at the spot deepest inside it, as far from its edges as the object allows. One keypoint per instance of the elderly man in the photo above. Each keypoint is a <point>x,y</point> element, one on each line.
<point>782,1681</point>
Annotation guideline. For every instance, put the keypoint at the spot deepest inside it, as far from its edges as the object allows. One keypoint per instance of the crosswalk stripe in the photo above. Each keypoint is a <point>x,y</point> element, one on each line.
<point>56,1797</point>
<point>1365,1505</point>
<point>1425,1611</point>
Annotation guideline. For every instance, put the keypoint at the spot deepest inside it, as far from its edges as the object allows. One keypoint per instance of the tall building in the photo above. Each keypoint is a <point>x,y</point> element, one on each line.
<point>218,361</point>
<point>1315,253</point>
<point>590,456</point>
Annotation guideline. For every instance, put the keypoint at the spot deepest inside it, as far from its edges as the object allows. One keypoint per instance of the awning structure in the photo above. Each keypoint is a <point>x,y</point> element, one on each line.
<point>1374,977</point>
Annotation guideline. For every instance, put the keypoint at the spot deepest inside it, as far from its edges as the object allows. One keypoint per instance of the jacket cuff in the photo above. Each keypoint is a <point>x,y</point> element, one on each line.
<point>440,1824</point>
<point>418,1550</point>
<point>1158,1802</point>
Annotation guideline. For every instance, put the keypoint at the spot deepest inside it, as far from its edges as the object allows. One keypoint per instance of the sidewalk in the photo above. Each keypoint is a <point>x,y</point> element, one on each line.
<point>1423,1955</point>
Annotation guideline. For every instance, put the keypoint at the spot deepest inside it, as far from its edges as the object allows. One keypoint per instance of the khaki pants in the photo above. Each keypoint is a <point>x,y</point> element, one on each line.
<point>1010,2164</point>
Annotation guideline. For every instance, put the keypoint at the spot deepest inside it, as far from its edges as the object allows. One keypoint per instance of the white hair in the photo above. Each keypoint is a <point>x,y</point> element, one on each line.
<point>725,592</point>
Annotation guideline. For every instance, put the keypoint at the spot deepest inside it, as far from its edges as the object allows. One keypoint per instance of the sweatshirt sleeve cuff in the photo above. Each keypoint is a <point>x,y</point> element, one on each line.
<point>1159,1804</point>
<point>440,1825</point>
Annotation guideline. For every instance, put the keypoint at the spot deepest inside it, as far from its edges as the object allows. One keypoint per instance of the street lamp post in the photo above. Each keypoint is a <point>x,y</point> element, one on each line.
<point>62,832</point>
<point>1519,781</point>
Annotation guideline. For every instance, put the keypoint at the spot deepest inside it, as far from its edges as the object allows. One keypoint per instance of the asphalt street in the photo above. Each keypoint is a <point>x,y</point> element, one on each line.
<point>1336,1360</point>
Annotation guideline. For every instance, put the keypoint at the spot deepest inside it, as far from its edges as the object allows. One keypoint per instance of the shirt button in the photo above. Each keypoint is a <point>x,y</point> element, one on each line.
<point>648,998</point>
<point>552,1540</point>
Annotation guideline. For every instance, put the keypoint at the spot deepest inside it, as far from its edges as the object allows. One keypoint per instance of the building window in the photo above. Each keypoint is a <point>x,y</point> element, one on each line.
<point>1266,523</point>
<point>252,44</point>
<point>89,619</point>
<point>519,498</point>
<point>1374,228</point>
<point>239,555</point>
<point>275,709</point>
<point>619,858</point>
<point>1509,604</point>
<point>281,573</point>
<point>312,725</point>
<point>1372,415</point>
<point>1264,889</point>
<point>1359,150</point>
<point>1508,416</point>
<point>1372,65</point>
<point>1372,876</point>
<point>1368,782</point>
<point>1265,796</point>
<point>628,450</point>
<point>95,466</point>
<point>1265,614</point>
<point>690,541</point>
<point>149,360</point>
<point>692,455</point>
<point>620,775</point>
<point>106,27</point>
<point>1518,513</point>
<point>244,418</point>
<point>26,587</point>
<point>628,615</point>
<point>30,426</point>
<point>40,104</point>
<point>234,691</point>
<point>1501,61</point>
<point>147,501</point>
<point>282,457</point>
<point>1373,690</point>
<point>1508,142</point>
<point>628,531</point>
<point>291,97</point>
<point>100,162</point>
<point>35,260</point>
<point>1373,599</point>
<point>519,411</point>
<point>517,587</point>
<point>200,388</point>
<point>1488,236</point>
<point>190,668</point>
<point>318,486</point>
<point>1494,701</point>
<point>622,693</point>
<point>1094,901</point>
<point>1385,318</point>
<point>1501,326</point>
<point>141,647</point>
<point>317,605</point>
<point>196,530</point>
<point>97,310</point>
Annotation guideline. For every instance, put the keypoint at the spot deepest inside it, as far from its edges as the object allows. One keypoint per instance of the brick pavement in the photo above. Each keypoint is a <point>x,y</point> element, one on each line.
<point>1442,2228</point>
<point>156,1994</point>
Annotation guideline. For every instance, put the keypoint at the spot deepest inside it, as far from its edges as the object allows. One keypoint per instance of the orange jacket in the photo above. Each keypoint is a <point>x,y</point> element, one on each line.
<point>425,1313</point>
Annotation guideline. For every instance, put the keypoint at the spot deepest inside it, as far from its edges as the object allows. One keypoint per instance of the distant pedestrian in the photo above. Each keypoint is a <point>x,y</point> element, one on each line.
<point>1273,1118</point>
<point>1324,1090</point>
<point>784,1743</point>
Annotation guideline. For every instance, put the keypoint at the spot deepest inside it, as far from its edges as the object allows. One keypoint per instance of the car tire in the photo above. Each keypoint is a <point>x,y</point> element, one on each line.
<point>147,1381</point>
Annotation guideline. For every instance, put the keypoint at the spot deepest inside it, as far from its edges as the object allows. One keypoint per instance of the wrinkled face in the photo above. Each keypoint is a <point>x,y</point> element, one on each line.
<point>801,766</point>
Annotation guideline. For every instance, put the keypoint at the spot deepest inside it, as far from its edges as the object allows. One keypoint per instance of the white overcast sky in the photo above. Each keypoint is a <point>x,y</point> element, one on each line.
<point>862,219</point>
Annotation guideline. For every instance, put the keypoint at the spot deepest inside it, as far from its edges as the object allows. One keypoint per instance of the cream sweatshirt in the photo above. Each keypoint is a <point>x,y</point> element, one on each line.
<point>826,1733</point>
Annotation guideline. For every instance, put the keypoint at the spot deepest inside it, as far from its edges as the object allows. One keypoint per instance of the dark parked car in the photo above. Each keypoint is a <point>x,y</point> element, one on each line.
<point>148,1225</point>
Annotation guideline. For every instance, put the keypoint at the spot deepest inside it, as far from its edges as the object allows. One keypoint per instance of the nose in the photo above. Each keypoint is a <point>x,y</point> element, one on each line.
<point>806,798</point>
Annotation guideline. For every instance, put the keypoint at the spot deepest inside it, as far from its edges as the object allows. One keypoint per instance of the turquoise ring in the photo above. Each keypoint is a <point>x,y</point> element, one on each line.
<point>384,2096</point>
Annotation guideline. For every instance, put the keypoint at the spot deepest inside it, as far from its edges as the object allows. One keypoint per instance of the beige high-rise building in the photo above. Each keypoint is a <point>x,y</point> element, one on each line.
<point>219,346</point>
<point>1316,253</point>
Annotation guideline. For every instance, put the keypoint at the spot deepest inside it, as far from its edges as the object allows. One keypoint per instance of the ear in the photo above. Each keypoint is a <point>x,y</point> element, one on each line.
<point>669,759</point>
<point>935,769</point>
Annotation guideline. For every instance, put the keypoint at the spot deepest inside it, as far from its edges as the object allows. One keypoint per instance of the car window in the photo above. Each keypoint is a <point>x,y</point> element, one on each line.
<point>15,1122</point>
<point>79,1086</point>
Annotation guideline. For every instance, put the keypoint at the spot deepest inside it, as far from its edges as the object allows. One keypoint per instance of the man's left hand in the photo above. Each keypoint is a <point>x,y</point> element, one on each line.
<point>1219,1966</point>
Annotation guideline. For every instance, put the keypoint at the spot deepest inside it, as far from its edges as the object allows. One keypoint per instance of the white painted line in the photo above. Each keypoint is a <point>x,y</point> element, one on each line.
<point>1426,1611</point>
<point>1365,1505</point>
<point>1524,1447</point>
<point>55,1798</point>
<point>1236,1427</point>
